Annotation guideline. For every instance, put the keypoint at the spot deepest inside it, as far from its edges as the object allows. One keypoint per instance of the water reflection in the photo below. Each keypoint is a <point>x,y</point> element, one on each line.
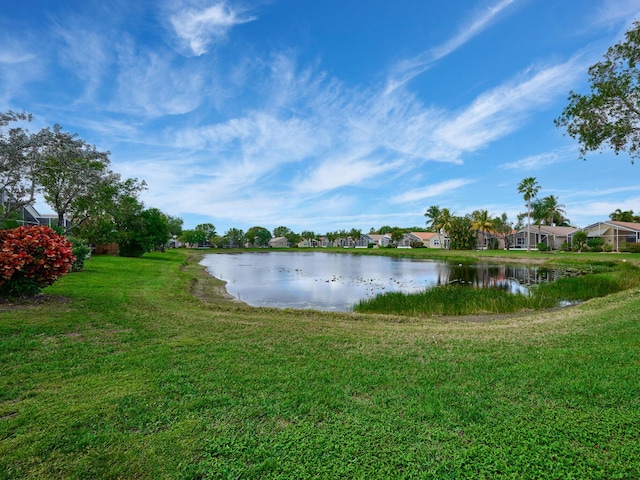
<point>325,281</point>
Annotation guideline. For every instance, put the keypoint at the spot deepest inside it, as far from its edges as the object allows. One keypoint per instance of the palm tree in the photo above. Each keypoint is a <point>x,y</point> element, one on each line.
<point>433,213</point>
<point>444,222</point>
<point>529,188</point>
<point>554,210</point>
<point>620,216</point>
<point>481,221</point>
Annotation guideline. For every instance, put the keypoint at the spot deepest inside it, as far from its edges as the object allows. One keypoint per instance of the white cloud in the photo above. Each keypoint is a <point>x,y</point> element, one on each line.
<point>196,29</point>
<point>430,191</point>
<point>535,162</point>
<point>616,11</point>
<point>410,68</point>
<point>504,109</point>
<point>154,84</point>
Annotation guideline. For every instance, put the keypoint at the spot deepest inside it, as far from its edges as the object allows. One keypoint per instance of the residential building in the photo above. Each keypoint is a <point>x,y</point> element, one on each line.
<point>614,233</point>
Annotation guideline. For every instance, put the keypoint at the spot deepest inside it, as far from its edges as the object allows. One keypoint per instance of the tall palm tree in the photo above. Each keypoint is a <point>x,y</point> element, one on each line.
<point>433,214</point>
<point>481,221</point>
<point>529,188</point>
<point>444,222</point>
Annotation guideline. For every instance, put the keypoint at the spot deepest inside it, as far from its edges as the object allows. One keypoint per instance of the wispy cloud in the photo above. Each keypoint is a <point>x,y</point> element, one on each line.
<point>155,84</point>
<point>196,29</point>
<point>612,12</point>
<point>535,162</point>
<point>431,191</point>
<point>502,110</point>
<point>410,68</point>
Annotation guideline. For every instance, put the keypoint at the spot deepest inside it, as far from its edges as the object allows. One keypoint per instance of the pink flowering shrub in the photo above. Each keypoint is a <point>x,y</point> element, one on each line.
<point>32,258</point>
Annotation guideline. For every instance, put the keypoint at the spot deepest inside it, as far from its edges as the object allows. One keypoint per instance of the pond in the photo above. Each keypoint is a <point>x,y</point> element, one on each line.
<point>335,282</point>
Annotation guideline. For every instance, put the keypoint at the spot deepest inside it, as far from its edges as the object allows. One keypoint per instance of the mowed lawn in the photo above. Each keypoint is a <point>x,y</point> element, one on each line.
<point>119,372</point>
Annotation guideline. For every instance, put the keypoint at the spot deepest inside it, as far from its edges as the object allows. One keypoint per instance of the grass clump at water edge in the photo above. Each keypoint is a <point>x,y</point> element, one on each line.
<point>455,299</point>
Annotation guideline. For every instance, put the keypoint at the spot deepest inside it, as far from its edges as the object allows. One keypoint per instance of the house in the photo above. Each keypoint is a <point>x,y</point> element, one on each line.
<point>380,240</point>
<point>553,236</point>
<point>364,241</point>
<point>278,242</point>
<point>51,220</point>
<point>27,214</point>
<point>614,233</point>
<point>405,241</point>
<point>427,239</point>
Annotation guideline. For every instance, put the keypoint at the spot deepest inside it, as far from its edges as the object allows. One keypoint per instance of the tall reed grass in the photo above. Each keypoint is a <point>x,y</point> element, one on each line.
<point>466,300</point>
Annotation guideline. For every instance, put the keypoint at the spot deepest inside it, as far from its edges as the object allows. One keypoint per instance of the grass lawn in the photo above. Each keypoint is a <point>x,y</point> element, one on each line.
<point>120,372</point>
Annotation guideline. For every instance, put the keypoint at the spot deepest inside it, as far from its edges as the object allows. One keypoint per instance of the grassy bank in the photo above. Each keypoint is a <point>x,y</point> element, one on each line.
<point>121,373</point>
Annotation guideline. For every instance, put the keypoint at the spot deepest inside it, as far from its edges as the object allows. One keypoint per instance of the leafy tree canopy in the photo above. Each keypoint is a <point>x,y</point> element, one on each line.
<point>609,116</point>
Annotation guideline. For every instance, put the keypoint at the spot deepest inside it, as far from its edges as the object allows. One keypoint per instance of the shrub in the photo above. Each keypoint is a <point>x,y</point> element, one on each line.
<point>608,247</point>
<point>81,252</point>
<point>564,247</point>
<point>630,247</point>
<point>542,247</point>
<point>595,244</point>
<point>32,258</point>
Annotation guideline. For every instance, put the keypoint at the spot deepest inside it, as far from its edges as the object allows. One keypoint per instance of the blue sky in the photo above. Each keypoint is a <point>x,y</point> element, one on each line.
<point>323,115</point>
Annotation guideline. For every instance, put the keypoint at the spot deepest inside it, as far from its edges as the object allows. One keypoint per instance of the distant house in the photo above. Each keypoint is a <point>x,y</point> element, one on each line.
<point>614,233</point>
<point>364,241</point>
<point>27,215</point>
<point>380,240</point>
<point>405,241</point>
<point>427,239</point>
<point>324,242</point>
<point>278,242</point>
<point>550,235</point>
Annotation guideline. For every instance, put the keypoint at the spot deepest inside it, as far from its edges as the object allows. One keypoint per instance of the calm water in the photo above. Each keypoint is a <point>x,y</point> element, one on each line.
<point>325,281</point>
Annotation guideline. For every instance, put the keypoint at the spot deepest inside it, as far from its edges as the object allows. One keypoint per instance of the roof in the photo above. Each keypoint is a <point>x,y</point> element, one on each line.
<point>423,235</point>
<point>629,225</point>
<point>553,230</point>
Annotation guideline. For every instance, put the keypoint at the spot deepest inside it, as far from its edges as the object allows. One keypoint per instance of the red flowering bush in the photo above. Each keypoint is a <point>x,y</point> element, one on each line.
<point>32,258</point>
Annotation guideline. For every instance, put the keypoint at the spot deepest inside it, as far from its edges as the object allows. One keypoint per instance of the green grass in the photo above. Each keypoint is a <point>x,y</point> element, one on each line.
<point>466,300</point>
<point>121,373</point>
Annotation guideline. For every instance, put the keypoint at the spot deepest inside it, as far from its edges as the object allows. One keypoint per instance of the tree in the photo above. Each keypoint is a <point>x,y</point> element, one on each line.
<point>74,176</point>
<point>396,235</point>
<point>235,237</point>
<point>331,236</point>
<point>433,216</point>
<point>208,229</point>
<point>175,225</point>
<point>503,227</point>
<point>281,231</point>
<point>481,221</point>
<point>193,237</point>
<point>355,234</point>
<point>258,236</point>
<point>579,240</point>
<point>444,224</point>
<point>461,234</point>
<point>552,210</point>
<point>626,216</point>
<point>529,188</point>
<point>19,161</point>
<point>610,114</point>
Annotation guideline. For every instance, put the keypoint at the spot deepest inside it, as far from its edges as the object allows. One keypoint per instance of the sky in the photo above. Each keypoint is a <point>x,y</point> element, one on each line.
<point>323,115</point>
